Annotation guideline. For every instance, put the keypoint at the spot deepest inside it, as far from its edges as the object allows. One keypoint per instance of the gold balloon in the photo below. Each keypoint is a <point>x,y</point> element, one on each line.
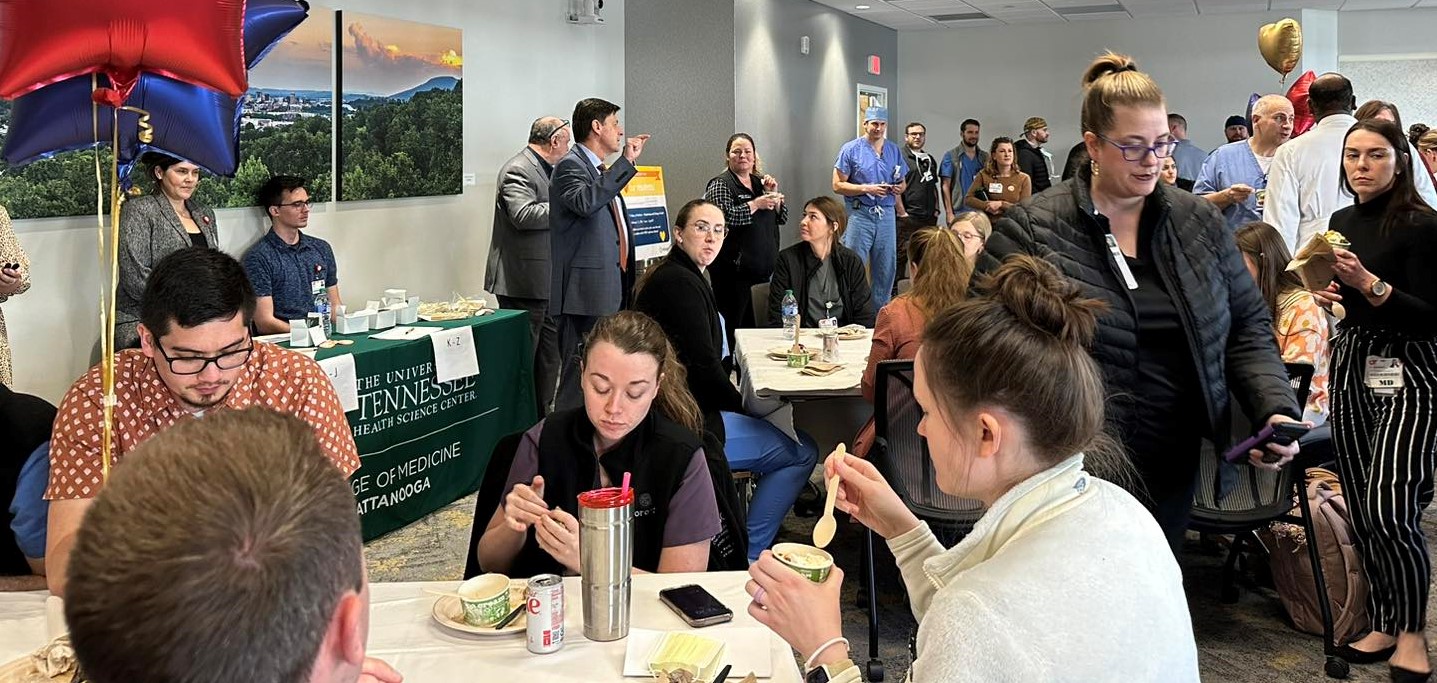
<point>1281,45</point>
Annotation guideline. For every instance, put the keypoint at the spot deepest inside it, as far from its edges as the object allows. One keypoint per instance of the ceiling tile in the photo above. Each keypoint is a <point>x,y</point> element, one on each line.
<point>1163,10</point>
<point>1305,4</point>
<point>1376,4</point>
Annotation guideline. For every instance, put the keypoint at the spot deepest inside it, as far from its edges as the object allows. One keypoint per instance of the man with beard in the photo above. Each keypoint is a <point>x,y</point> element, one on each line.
<point>1032,159</point>
<point>1234,176</point>
<point>196,356</point>
<point>959,167</point>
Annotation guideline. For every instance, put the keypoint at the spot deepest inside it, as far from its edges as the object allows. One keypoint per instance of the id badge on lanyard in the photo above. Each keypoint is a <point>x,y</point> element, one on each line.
<point>1123,268</point>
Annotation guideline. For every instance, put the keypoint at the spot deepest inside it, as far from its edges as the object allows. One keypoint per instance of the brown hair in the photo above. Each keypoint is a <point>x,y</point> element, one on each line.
<point>1022,347</point>
<point>978,220</point>
<point>992,166</point>
<point>1404,199</point>
<point>1111,81</point>
<point>633,332</point>
<point>757,161</point>
<point>1264,244</point>
<point>219,551</point>
<point>681,220</point>
<point>832,210</point>
<point>1371,108</point>
<point>943,271</point>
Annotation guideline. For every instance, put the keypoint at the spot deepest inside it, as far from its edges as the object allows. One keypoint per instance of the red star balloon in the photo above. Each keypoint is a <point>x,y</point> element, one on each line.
<point>196,41</point>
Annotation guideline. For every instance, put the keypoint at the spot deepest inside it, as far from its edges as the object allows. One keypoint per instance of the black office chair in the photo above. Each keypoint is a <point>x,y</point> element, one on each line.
<point>901,456</point>
<point>759,292</point>
<point>1238,499</point>
<point>491,492</point>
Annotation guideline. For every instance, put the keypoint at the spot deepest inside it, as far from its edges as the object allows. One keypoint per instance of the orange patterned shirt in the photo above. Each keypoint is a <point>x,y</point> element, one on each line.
<point>274,378</point>
<point>1302,337</point>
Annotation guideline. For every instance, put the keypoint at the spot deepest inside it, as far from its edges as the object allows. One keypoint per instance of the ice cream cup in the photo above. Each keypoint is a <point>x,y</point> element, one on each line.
<point>485,599</point>
<point>812,563</point>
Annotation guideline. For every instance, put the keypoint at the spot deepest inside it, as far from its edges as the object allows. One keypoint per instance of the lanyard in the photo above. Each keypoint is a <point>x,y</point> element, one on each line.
<point>1122,262</point>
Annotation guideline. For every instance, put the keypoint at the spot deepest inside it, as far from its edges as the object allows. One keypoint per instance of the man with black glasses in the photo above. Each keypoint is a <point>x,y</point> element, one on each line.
<point>196,356</point>
<point>287,267</point>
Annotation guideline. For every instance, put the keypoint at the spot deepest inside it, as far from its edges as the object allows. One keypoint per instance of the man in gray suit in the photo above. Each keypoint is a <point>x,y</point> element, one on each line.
<point>518,267</point>
<point>590,243</point>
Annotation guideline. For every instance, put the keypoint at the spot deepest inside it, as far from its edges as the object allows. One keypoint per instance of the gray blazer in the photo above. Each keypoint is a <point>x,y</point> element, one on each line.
<point>519,254</point>
<point>584,244</point>
<point>149,231</point>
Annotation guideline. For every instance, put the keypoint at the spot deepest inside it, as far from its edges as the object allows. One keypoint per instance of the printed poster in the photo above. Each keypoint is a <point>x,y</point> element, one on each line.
<point>647,213</point>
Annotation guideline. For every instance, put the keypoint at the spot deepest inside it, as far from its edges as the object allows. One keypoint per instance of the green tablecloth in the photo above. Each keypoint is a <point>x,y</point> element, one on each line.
<point>424,444</point>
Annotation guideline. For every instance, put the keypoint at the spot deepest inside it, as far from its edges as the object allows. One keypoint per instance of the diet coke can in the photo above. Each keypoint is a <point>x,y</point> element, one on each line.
<point>545,595</point>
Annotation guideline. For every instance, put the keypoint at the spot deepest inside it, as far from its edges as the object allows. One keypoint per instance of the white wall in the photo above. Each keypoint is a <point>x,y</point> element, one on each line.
<point>522,61</point>
<point>799,108</point>
<point>1208,66</point>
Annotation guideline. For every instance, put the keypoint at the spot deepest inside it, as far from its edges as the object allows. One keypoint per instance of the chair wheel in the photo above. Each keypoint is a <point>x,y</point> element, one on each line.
<point>875,671</point>
<point>1337,667</point>
<point>1229,594</point>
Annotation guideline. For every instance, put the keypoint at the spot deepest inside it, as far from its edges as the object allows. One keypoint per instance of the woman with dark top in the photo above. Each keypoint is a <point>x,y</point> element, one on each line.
<point>676,294</point>
<point>753,209</point>
<point>154,226</point>
<point>637,418</point>
<point>1000,184</point>
<point>1384,382</point>
<point>1185,323</point>
<point>827,278</point>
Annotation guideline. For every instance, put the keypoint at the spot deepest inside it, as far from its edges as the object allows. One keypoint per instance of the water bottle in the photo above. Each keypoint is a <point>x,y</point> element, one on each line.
<point>321,307</point>
<point>790,313</point>
<point>606,561</point>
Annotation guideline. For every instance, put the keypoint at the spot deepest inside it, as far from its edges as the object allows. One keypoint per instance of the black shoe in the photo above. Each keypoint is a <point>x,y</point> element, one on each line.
<point>1356,656</point>
<point>1401,675</point>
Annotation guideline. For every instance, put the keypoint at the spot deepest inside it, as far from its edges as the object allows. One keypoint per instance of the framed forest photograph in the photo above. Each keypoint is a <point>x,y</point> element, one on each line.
<point>402,112</point>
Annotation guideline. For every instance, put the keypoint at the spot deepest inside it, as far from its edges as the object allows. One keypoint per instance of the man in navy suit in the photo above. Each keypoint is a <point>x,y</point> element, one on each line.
<point>590,243</point>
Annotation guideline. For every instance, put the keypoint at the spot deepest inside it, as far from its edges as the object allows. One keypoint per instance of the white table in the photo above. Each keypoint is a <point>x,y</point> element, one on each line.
<point>766,378</point>
<point>402,632</point>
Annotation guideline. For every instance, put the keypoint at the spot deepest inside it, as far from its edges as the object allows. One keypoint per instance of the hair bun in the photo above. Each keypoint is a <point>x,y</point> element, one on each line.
<point>1040,296</point>
<point>1106,65</point>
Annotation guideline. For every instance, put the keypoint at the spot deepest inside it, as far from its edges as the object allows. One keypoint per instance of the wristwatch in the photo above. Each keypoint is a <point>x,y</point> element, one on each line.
<point>1378,289</point>
<point>828,672</point>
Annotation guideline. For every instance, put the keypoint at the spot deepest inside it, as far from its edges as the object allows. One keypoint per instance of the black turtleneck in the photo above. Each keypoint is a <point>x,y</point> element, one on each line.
<point>1403,255</point>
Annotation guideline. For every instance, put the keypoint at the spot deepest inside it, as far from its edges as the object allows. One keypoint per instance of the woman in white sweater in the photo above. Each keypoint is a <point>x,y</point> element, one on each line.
<point>1066,577</point>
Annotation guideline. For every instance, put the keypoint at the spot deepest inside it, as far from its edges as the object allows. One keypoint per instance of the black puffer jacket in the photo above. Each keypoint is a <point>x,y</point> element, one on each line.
<point>1228,325</point>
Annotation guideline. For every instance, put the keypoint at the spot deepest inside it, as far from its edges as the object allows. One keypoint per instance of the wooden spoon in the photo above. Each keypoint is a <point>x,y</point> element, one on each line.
<point>823,531</point>
<point>796,348</point>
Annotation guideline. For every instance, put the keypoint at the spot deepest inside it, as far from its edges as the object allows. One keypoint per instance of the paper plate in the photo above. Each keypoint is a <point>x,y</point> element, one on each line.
<point>448,612</point>
<point>781,352</point>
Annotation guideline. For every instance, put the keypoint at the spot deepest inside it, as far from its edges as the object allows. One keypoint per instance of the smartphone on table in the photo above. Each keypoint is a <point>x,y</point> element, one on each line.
<point>696,606</point>
<point>1281,433</point>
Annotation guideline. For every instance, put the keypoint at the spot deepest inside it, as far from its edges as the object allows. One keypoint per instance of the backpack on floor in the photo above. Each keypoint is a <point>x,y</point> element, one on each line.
<point>1341,563</point>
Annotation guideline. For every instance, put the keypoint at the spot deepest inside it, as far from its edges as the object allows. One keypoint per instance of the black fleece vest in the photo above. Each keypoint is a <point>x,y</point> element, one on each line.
<point>657,453</point>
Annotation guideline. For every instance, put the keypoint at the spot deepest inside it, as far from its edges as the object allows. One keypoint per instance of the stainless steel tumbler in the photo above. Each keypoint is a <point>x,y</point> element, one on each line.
<point>606,561</point>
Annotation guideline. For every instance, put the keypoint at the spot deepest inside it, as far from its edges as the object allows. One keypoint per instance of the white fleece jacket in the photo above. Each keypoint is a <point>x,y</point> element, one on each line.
<point>1066,578</point>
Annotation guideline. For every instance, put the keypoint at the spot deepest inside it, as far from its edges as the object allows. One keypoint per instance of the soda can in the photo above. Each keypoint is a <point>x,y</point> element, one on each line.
<point>545,597</point>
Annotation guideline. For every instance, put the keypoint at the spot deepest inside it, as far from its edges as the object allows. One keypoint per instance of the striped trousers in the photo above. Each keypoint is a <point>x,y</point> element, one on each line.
<point>1386,452</point>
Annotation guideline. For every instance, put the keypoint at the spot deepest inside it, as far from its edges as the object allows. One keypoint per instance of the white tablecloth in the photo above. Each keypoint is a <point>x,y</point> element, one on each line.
<point>402,632</point>
<point>767,378</point>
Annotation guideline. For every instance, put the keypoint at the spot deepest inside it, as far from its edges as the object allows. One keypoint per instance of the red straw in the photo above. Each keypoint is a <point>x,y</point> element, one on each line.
<point>624,490</point>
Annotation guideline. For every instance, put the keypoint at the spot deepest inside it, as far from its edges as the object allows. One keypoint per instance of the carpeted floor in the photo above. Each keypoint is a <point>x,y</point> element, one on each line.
<point>1247,642</point>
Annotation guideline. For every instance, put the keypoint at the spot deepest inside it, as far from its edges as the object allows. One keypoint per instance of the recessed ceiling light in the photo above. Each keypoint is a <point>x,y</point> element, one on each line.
<point>860,7</point>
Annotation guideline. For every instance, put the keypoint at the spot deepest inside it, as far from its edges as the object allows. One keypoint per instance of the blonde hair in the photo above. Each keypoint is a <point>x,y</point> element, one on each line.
<point>1428,141</point>
<point>1111,81</point>
<point>978,220</point>
<point>943,271</point>
<point>633,332</point>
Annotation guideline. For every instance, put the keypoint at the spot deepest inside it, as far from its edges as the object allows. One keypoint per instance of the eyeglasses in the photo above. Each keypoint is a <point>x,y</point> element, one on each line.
<point>296,205</point>
<point>1161,150</point>
<point>917,134</point>
<point>703,228</point>
<point>194,365</point>
<point>564,123</point>
<point>966,235</point>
